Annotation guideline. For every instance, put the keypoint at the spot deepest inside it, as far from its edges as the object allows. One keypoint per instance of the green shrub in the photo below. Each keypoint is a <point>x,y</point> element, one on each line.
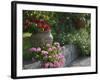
<point>81,39</point>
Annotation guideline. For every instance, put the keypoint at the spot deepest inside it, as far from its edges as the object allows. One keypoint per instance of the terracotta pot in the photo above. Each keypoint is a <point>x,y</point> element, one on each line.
<point>41,39</point>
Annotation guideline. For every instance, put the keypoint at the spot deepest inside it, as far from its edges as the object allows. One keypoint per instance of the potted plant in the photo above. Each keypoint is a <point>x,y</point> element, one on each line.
<point>50,56</point>
<point>41,33</point>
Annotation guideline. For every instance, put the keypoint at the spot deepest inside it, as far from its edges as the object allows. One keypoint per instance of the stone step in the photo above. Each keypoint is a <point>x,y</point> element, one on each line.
<point>70,52</point>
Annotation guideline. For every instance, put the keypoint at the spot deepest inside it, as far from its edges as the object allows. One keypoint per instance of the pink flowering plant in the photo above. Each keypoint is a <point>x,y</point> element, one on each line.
<point>50,55</point>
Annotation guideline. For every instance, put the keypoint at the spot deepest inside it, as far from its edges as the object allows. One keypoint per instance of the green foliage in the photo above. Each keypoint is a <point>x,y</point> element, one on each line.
<point>31,28</point>
<point>80,38</point>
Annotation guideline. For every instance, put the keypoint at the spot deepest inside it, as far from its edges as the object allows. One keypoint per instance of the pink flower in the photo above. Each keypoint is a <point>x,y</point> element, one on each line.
<point>50,49</point>
<point>32,49</point>
<point>56,64</point>
<point>46,65</point>
<point>61,62</point>
<point>56,44</point>
<point>44,52</point>
<point>60,55</point>
<point>38,49</point>
<point>54,55</point>
<point>46,56</point>
<point>57,56</point>
<point>51,65</point>
<point>54,48</point>
<point>59,48</point>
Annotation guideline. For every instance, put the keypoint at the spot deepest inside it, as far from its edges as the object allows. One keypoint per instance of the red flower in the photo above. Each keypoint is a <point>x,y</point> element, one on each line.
<point>36,21</point>
<point>42,24</point>
<point>46,27</point>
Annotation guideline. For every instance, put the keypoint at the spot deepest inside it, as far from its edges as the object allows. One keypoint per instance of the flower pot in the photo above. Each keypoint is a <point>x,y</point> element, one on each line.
<point>41,38</point>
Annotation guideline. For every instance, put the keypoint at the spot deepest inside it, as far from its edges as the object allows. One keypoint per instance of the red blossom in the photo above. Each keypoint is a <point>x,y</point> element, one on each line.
<point>42,24</point>
<point>36,21</point>
<point>46,27</point>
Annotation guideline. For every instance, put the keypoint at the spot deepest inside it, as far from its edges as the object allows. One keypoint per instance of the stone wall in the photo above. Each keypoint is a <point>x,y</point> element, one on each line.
<point>70,52</point>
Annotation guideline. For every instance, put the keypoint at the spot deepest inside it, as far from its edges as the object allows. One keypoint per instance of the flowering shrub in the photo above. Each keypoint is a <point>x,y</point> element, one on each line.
<point>37,26</point>
<point>81,39</point>
<point>50,55</point>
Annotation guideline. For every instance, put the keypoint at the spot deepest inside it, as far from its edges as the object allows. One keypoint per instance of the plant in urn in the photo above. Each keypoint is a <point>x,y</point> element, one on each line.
<point>41,33</point>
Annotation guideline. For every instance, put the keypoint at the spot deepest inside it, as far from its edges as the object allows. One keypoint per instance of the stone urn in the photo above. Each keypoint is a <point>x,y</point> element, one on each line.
<point>41,38</point>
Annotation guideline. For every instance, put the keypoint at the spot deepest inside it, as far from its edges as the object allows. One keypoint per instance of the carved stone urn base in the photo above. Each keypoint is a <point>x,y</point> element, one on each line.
<point>41,39</point>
